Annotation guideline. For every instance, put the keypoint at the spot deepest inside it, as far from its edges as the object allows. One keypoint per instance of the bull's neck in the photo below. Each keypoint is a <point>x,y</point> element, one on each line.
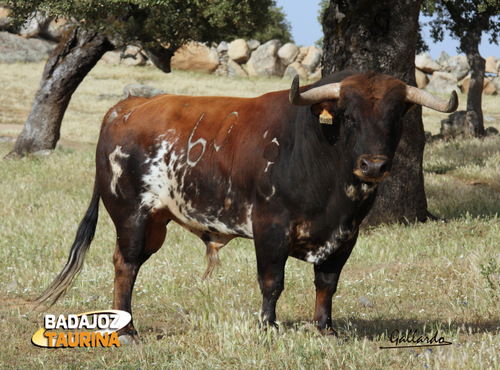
<point>315,167</point>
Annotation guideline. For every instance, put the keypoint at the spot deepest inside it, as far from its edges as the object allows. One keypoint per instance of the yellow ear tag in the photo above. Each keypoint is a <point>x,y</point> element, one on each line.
<point>325,118</point>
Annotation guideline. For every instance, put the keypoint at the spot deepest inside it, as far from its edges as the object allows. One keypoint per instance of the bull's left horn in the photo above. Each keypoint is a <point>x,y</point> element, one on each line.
<point>421,97</point>
<point>315,95</point>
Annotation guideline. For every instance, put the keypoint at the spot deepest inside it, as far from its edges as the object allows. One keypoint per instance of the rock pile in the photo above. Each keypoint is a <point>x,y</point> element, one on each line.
<point>38,25</point>
<point>273,59</point>
<point>241,58</point>
<point>453,73</point>
<point>14,48</point>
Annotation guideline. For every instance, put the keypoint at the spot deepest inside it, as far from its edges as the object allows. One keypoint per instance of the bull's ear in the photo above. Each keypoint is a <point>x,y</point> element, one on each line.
<point>324,111</point>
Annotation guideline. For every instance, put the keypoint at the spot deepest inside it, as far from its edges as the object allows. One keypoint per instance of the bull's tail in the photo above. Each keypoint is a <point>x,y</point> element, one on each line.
<point>84,236</point>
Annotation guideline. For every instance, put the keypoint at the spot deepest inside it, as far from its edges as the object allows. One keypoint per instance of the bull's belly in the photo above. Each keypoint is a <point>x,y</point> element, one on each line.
<point>210,220</point>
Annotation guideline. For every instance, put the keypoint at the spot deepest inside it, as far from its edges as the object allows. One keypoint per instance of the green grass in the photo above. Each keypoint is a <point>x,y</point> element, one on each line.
<point>422,277</point>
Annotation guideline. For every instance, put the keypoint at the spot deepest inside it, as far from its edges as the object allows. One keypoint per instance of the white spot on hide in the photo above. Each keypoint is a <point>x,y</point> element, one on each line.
<point>269,164</point>
<point>232,114</point>
<point>126,116</point>
<point>112,117</point>
<point>303,230</point>
<point>165,183</point>
<point>352,192</point>
<point>273,191</point>
<point>116,168</point>
<point>320,254</point>
<point>367,189</point>
<point>192,144</point>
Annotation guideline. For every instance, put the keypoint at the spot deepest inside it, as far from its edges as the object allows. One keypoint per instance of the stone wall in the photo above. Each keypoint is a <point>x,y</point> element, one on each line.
<point>453,73</point>
<point>242,58</point>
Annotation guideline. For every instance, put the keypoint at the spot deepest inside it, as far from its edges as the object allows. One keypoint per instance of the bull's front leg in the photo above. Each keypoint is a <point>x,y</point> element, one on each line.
<point>326,277</point>
<point>271,246</point>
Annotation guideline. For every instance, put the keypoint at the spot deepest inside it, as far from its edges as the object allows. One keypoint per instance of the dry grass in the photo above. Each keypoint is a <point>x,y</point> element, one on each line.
<point>491,112</point>
<point>423,277</point>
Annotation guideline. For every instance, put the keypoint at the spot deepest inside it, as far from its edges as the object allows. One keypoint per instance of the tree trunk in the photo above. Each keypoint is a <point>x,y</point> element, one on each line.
<point>381,36</point>
<point>477,64</point>
<point>160,56</point>
<point>72,59</point>
<point>469,44</point>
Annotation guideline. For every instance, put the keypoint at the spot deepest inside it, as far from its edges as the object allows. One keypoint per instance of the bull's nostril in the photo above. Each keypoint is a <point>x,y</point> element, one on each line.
<point>364,166</point>
<point>383,168</point>
<point>373,168</point>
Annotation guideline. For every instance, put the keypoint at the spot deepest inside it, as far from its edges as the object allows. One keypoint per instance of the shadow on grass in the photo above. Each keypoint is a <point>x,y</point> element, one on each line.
<point>380,330</point>
<point>462,178</point>
<point>377,330</point>
<point>474,199</point>
<point>458,212</point>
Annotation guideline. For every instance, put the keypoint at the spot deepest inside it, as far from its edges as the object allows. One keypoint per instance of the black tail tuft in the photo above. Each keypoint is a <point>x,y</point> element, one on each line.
<point>84,236</point>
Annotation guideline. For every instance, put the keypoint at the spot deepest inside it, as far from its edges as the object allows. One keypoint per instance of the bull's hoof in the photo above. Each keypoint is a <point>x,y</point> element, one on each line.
<point>129,340</point>
<point>265,326</point>
<point>329,332</point>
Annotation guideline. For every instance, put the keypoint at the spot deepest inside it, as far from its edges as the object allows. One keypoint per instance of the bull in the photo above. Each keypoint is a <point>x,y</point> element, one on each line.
<point>296,171</point>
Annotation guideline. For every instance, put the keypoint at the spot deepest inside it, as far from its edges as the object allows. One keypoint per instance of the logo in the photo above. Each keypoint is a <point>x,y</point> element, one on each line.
<point>410,339</point>
<point>89,329</point>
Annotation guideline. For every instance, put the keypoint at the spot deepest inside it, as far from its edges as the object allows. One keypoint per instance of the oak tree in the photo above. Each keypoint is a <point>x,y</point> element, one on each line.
<point>381,36</point>
<point>466,21</point>
<point>160,27</point>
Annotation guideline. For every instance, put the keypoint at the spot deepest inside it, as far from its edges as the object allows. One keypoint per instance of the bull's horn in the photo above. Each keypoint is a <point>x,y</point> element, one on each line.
<point>315,95</point>
<point>421,97</point>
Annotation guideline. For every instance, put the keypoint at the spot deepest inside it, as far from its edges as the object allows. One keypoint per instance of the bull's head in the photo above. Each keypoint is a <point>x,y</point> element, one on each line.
<point>366,111</point>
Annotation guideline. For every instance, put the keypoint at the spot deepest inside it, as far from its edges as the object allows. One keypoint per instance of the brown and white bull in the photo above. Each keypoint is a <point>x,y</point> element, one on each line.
<point>262,168</point>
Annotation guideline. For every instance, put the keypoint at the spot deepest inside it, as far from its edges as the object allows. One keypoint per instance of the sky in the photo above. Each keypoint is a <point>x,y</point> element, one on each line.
<point>306,30</point>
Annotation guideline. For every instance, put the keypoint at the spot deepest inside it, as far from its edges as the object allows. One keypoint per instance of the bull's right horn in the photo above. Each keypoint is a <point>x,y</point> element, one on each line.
<point>425,99</point>
<point>315,95</point>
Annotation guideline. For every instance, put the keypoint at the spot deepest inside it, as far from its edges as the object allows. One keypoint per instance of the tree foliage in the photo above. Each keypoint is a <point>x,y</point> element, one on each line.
<point>159,26</point>
<point>276,28</point>
<point>170,22</point>
<point>465,20</point>
<point>323,5</point>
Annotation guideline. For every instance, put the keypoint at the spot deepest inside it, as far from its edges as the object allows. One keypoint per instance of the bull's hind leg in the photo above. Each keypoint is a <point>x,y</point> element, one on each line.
<point>137,239</point>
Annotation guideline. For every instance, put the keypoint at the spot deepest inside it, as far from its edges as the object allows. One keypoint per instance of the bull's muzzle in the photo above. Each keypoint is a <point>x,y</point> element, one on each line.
<point>372,168</point>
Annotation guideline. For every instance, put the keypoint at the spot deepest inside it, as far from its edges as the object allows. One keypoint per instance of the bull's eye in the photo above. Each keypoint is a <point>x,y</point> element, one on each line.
<point>349,121</point>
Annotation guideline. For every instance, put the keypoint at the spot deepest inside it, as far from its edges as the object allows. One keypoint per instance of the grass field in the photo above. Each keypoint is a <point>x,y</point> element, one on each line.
<point>434,277</point>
